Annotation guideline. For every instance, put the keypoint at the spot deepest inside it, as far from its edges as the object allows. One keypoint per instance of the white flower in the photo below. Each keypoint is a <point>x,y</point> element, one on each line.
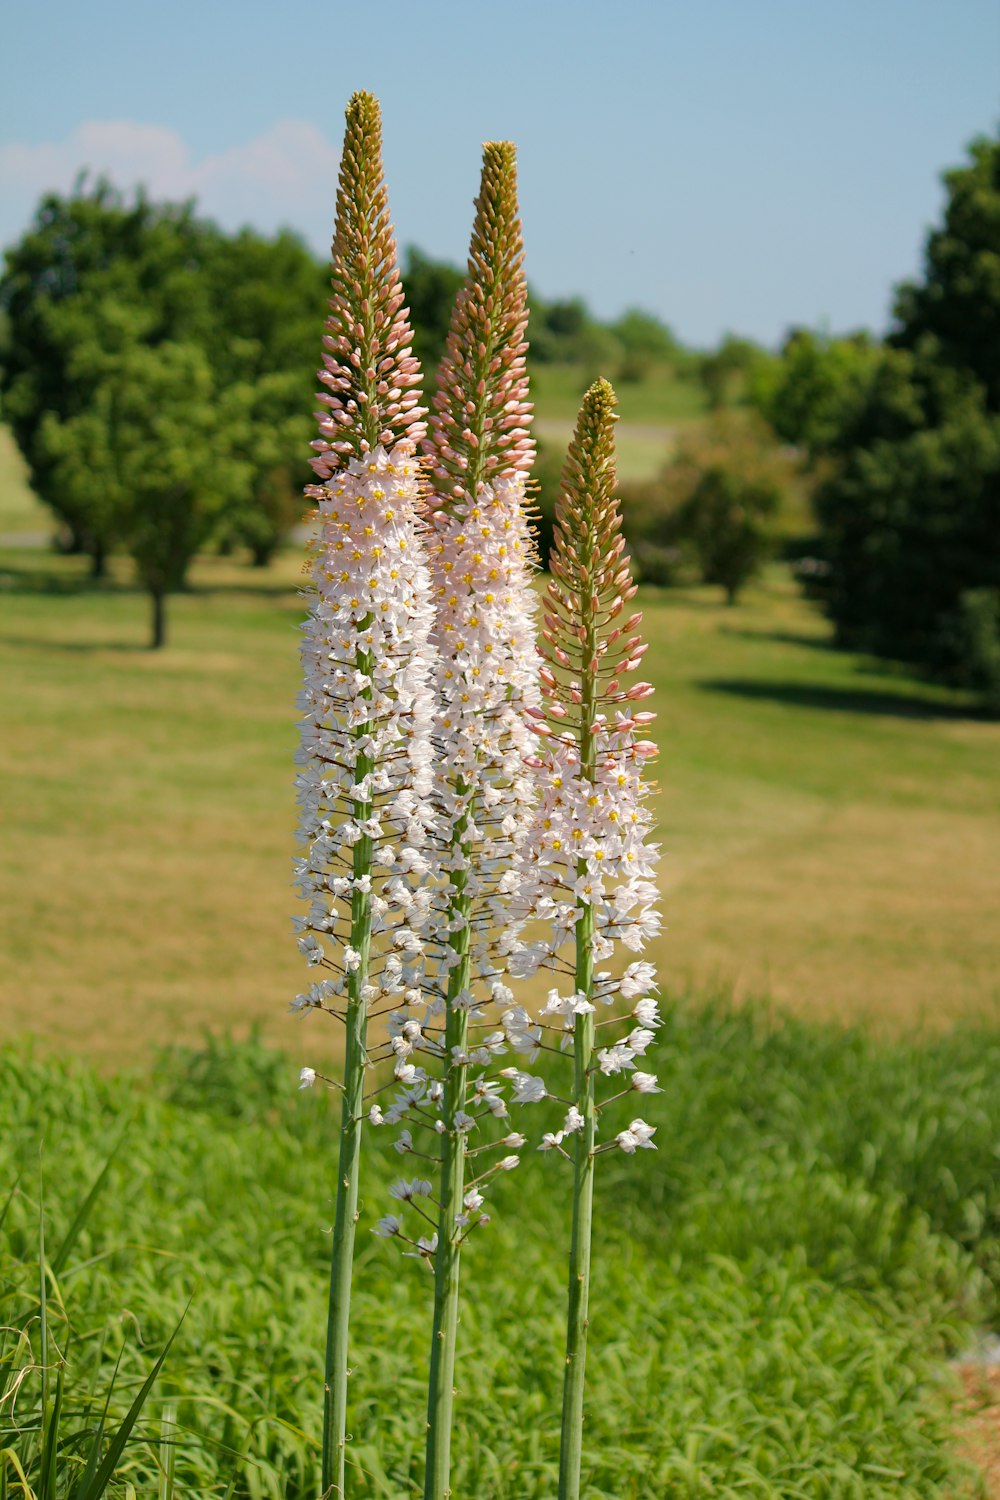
<point>550,1140</point>
<point>375,1115</point>
<point>403,1142</point>
<point>307,1078</point>
<point>527,1089</point>
<point>647,1013</point>
<point>387,1226</point>
<point>473,1200</point>
<point>514,1139</point>
<point>573,1121</point>
<point>615,1059</point>
<point>310,949</point>
<point>637,979</point>
<point>645,1083</point>
<point>508,1163</point>
<point>407,1191</point>
<point>638,1134</point>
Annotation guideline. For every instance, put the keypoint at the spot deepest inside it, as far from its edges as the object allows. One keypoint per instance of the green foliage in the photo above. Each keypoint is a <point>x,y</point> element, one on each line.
<point>96,275</point>
<point>160,447</point>
<point>973,636</point>
<point>724,371</point>
<point>910,514</point>
<point>813,393</point>
<point>430,287</point>
<point>722,493</point>
<point>564,332</point>
<point>774,1293</point>
<point>271,434</point>
<point>646,342</point>
<point>54,1444</point>
<point>957,304</point>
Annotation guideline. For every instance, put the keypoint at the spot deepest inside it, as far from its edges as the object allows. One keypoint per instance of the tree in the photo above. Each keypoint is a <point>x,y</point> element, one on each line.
<point>430,287</point>
<point>276,430</point>
<point>811,394</point>
<point>722,370</point>
<point>96,272</point>
<point>161,445</point>
<point>911,514</point>
<point>725,488</point>
<point>957,304</point>
<point>909,511</point>
<point>646,342</point>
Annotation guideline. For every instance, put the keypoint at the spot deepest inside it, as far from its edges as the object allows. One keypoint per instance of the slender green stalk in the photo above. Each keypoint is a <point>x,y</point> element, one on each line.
<point>571,1441</point>
<point>369,412</point>
<point>589,801</point>
<point>447,1260</point>
<point>479,440</point>
<point>345,1221</point>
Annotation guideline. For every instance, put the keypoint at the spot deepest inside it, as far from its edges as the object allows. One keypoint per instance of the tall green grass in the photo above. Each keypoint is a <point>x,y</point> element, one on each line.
<point>775,1293</point>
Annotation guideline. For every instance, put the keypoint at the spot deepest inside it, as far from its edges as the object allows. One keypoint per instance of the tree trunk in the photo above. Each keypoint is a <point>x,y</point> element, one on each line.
<point>98,559</point>
<point>262,554</point>
<point>159,619</point>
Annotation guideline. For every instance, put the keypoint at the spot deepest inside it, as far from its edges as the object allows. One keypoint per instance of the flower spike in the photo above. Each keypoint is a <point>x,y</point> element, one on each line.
<point>588,865</point>
<point>481,419</point>
<point>371,378</point>
<point>365,756</point>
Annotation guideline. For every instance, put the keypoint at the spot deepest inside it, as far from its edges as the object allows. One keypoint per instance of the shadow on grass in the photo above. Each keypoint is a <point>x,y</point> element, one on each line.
<point>45,645</point>
<point>882,704</point>
<point>59,581</point>
<point>781,637</point>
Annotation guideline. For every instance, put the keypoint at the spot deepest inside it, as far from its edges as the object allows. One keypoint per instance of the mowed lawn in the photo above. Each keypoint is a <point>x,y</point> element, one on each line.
<point>831,830</point>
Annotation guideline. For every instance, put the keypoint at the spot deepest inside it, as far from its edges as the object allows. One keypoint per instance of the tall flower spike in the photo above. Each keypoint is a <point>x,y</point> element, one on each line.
<point>482,561</point>
<point>481,417</point>
<point>588,867</point>
<point>365,757</point>
<point>371,378</point>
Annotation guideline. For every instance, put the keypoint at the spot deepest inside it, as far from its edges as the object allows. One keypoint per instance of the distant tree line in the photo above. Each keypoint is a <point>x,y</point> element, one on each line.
<point>156,373</point>
<point>903,441</point>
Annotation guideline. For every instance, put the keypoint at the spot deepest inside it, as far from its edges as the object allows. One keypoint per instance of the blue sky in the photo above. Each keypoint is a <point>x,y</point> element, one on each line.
<point>729,164</point>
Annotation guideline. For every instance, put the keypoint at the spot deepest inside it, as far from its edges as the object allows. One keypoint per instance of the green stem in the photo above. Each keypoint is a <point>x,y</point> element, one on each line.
<point>577,1320</point>
<point>571,1444</point>
<point>345,1221</point>
<point>440,1391</point>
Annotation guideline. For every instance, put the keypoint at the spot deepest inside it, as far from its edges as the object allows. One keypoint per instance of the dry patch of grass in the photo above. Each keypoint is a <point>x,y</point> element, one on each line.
<point>831,831</point>
<point>980,1423</point>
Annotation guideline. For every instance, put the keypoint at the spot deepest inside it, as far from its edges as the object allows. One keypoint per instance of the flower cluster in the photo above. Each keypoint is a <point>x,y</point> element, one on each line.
<point>365,756</point>
<point>587,871</point>
<point>371,379</point>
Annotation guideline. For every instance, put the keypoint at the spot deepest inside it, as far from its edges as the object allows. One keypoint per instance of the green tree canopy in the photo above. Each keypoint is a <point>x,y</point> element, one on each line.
<point>957,304</point>
<point>160,445</point>
<point>430,287</point>
<point>96,273</point>
<point>910,516</point>
<point>814,391</point>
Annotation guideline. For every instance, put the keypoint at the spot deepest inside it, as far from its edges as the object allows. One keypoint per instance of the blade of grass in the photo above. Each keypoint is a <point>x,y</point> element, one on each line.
<point>106,1471</point>
<point>168,1451</point>
<point>94,1457</point>
<point>50,1442</point>
<point>83,1212</point>
<point>3,1216</point>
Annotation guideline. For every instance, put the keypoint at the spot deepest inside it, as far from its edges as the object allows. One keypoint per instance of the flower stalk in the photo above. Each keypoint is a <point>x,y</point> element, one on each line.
<point>478,450</point>
<point>588,865</point>
<point>365,753</point>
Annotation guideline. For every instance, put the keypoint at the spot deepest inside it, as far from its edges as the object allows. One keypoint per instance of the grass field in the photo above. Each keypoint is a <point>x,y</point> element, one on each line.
<point>775,1292</point>
<point>650,413</point>
<point>831,830</point>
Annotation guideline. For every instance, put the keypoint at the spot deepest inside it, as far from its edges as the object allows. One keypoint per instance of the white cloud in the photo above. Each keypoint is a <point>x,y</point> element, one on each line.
<point>286,176</point>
